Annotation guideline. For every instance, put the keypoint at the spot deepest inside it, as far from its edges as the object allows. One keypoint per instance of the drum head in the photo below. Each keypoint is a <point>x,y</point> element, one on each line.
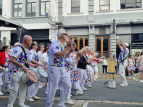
<point>94,63</point>
<point>32,75</point>
<point>43,73</point>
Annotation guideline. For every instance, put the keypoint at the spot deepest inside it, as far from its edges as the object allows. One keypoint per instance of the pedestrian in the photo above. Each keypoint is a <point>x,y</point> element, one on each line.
<point>123,61</point>
<point>17,67</point>
<point>72,73</point>
<point>33,58</point>
<point>131,67</point>
<point>114,57</point>
<point>104,64</point>
<point>4,74</point>
<point>137,60</point>
<point>141,66</point>
<point>57,75</point>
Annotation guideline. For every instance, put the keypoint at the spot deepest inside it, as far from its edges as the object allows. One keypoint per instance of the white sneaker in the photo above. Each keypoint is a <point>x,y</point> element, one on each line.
<point>36,98</point>
<point>123,84</point>
<point>138,74</point>
<point>40,86</point>
<point>96,76</point>
<point>30,100</point>
<point>1,93</point>
<point>79,93</point>
<point>95,79</point>
<point>84,89</point>
<point>69,102</point>
<point>89,86</point>
<point>129,77</point>
<point>70,95</point>
<point>24,106</point>
<point>140,80</point>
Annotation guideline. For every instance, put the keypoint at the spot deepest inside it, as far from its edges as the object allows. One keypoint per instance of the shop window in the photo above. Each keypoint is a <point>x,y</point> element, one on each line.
<point>75,6</point>
<point>104,5</point>
<point>125,4</point>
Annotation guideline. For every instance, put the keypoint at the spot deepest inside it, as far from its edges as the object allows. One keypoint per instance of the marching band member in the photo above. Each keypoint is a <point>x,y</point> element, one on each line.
<point>46,61</point>
<point>33,58</point>
<point>16,69</point>
<point>4,63</point>
<point>57,75</point>
<point>131,67</point>
<point>123,62</point>
<point>41,60</point>
<point>81,68</point>
<point>96,60</point>
<point>72,72</point>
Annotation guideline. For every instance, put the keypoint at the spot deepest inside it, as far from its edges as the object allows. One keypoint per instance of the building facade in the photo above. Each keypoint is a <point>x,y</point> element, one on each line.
<point>88,22</point>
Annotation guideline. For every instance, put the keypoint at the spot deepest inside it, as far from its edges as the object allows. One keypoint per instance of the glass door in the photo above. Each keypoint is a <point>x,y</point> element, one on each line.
<point>102,46</point>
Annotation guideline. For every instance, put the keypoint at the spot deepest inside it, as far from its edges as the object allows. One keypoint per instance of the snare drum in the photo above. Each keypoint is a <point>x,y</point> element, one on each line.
<point>29,78</point>
<point>42,75</point>
<point>94,64</point>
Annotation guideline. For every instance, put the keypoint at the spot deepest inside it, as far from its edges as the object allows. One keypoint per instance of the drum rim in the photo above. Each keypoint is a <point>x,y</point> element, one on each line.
<point>41,74</point>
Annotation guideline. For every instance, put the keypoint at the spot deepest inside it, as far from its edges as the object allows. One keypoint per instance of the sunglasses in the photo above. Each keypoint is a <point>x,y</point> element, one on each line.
<point>34,44</point>
<point>65,34</point>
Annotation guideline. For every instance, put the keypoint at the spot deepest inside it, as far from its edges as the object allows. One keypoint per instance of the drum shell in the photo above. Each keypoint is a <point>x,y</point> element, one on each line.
<point>26,80</point>
<point>111,83</point>
<point>40,77</point>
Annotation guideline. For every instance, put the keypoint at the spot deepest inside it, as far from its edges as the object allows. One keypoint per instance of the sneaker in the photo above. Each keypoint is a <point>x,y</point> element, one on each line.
<point>129,77</point>
<point>134,78</point>
<point>43,84</point>
<point>123,84</point>
<point>36,98</point>
<point>96,76</point>
<point>70,95</point>
<point>79,93</point>
<point>24,106</point>
<point>30,100</point>
<point>89,86</point>
<point>1,93</point>
<point>46,92</point>
<point>140,80</point>
<point>84,89</point>
<point>138,74</point>
<point>40,86</point>
<point>95,79</point>
<point>69,102</point>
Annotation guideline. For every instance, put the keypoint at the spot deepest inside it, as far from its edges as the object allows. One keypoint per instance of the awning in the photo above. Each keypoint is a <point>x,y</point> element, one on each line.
<point>9,23</point>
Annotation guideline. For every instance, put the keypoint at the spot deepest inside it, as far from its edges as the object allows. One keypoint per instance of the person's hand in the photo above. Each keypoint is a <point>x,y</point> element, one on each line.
<point>40,64</point>
<point>69,43</point>
<point>24,68</point>
<point>121,40</point>
<point>117,41</point>
<point>34,66</point>
<point>45,67</point>
<point>1,67</point>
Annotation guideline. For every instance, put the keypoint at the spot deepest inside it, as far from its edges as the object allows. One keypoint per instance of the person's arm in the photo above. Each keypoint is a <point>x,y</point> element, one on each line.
<point>141,60</point>
<point>119,44</point>
<point>124,47</point>
<point>134,62</point>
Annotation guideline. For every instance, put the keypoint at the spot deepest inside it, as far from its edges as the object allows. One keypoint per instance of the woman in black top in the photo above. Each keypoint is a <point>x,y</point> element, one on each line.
<point>81,68</point>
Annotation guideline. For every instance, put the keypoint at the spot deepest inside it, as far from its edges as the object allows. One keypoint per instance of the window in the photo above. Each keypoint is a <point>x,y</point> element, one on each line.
<point>4,40</point>
<point>80,41</point>
<point>17,8</point>
<point>125,4</point>
<point>0,7</point>
<point>45,4</point>
<point>31,8</point>
<point>75,6</point>
<point>104,5</point>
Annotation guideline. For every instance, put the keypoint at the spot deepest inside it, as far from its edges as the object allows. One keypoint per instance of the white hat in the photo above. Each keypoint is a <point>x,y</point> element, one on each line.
<point>126,44</point>
<point>16,44</point>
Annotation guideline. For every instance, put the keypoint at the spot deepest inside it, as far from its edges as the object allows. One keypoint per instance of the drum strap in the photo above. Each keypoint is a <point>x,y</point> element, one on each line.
<point>25,56</point>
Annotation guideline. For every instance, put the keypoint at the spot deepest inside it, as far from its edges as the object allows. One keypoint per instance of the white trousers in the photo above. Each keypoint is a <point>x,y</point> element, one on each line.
<point>57,77</point>
<point>1,81</point>
<point>96,71</point>
<point>15,84</point>
<point>82,76</point>
<point>122,73</point>
<point>33,89</point>
<point>7,78</point>
<point>68,73</point>
<point>91,71</point>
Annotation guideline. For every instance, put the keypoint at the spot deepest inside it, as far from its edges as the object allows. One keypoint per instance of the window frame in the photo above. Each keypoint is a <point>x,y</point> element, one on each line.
<point>17,8</point>
<point>104,5</point>
<point>31,8</point>
<point>45,6</point>
<point>131,3</point>
<point>75,7</point>
<point>78,41</point>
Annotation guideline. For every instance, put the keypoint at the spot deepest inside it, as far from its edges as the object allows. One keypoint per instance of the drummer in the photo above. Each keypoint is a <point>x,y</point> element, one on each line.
<point>57,76</point>
<point>41,60</point>
<point>33,58</point>
<point>16,69</point>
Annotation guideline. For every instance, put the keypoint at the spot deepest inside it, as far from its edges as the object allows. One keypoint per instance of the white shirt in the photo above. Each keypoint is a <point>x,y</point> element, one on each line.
<point>40,56</point>
<point>71,59</point>
<point>46,58</point>
<point>10,52</point>
<point>32,55</point>
<point>56,47</point>
<point>20,58</point>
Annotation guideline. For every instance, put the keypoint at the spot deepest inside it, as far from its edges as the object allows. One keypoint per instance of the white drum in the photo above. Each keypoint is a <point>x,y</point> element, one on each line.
<point>29,78</point>
<point>42,75</point>
<point>94,64</point>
